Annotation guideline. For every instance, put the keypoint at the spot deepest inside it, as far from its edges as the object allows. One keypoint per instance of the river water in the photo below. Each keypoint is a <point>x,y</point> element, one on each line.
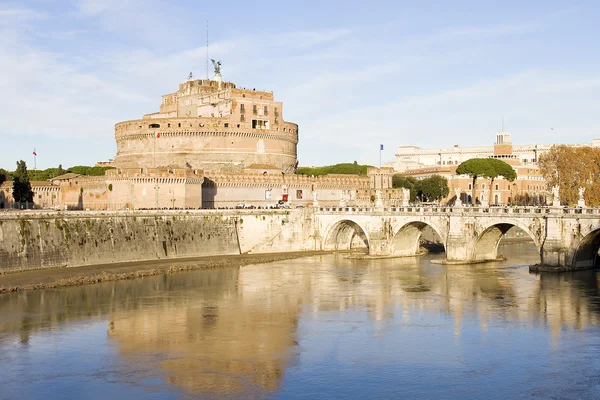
<point>316,327</point>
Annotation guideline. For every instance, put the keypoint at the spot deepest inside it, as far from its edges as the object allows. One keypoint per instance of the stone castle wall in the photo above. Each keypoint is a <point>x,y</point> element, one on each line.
<point>210,145</point>
<point>45,195</point>
<point>263,190</point>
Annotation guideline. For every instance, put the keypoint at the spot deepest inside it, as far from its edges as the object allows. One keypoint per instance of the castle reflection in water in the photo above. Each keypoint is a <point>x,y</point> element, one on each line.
<point>237,329</point>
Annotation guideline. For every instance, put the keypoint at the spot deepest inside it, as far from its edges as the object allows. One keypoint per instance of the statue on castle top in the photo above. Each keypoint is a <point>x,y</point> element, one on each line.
<point>581,192</point>
<point>217,65</point>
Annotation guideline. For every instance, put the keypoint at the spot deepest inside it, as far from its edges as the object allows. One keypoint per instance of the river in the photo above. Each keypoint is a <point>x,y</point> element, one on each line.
<point>325,326</point>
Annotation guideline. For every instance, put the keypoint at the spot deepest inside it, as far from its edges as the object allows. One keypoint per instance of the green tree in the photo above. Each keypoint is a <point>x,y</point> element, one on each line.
<point>500,169</point>
<point>21,186</point>
<point>3,175</point>
<point>434,188</point>
<point>344,168</point>
<point>475,168</point>
<point>408,182</point>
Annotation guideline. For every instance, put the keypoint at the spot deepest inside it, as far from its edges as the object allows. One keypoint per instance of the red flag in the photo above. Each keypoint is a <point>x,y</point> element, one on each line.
<point>157,134</point>
<point>34,153</point>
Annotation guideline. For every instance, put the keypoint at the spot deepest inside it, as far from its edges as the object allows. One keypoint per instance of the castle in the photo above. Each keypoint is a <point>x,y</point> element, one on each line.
<point>212,126</point>
<point>210,145</point>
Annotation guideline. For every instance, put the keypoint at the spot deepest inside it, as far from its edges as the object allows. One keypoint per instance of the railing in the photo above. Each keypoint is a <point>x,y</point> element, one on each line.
<point>525,211</point>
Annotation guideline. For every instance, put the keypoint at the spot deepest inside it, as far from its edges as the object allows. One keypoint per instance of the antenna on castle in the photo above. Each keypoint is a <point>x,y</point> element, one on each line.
<point>206,49</point>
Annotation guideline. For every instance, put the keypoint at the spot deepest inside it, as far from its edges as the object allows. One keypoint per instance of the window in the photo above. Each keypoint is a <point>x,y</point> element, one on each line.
<point>242,108</point>
<point>226,125</point>
<point>254,109</point>
<point>266,110</point>
<point>470,188</point>
<point>260,124</point>
<point>179,124</point>
<point>497,186</point>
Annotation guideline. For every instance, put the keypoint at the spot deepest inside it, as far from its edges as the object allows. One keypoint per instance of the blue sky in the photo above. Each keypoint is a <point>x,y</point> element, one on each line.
<point>352,74</point>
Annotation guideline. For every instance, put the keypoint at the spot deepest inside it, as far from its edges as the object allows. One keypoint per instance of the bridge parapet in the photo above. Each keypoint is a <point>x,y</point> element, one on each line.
<point>437,210</point>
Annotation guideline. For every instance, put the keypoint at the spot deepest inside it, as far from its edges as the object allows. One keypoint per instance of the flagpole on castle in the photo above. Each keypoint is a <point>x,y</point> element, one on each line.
<point>34,159</point>
<point>380,149</point>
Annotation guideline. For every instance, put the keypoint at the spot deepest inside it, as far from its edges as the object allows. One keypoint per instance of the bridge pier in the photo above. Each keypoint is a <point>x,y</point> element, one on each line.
<point>458,245</point>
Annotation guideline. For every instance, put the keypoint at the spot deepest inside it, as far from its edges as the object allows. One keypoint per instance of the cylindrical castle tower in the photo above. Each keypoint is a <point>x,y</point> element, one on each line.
<point>216,128</point>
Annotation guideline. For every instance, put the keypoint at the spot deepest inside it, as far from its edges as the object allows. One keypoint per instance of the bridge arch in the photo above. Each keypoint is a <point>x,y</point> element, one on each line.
<point>486,244</point>
<point>586,253</point>
<point>406,241</point>
<point>346,234</point>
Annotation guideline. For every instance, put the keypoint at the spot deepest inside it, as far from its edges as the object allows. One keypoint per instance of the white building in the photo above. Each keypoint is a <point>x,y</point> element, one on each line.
<point>413,157</point>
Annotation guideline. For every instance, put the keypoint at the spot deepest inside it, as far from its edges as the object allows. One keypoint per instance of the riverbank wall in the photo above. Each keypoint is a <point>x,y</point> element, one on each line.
<point>36,240</point>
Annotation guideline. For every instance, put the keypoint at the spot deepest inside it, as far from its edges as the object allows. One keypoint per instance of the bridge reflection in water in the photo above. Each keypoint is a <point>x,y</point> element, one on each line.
<point>236,331</point>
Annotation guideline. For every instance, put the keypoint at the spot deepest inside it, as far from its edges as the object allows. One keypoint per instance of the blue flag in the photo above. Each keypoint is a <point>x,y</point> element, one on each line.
<point>380,147</point>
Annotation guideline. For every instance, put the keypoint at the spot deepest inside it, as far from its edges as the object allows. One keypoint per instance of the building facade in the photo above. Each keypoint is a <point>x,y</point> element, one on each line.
<point>412,157</point>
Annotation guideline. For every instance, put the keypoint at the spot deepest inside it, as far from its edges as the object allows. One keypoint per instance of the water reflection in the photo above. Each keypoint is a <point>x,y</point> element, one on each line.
<point>235,332</point>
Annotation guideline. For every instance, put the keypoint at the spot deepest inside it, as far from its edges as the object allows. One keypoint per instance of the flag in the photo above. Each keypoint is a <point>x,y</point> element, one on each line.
<point>34,153</point>
<point>156,134</point>
<point>380,147</point>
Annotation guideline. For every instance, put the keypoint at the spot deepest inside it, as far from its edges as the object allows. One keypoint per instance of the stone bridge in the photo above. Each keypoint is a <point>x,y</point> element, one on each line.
<point>565,237</point>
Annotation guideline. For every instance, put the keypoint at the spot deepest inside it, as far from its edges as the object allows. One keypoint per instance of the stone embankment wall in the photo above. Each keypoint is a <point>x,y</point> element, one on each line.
<point>68,239</point>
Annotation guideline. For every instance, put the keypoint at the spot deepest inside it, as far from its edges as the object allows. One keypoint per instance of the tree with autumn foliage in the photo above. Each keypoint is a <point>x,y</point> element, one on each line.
<point>572,168</point>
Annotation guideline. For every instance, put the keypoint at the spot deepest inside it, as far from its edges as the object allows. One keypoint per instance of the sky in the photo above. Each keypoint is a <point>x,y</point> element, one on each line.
<point>351,74</point>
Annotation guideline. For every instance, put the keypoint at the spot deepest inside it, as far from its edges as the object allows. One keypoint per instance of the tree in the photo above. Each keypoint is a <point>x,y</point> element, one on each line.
<point>572,168</point>
<point>21,186</point>
<point>3,175</point>
<point>475,168</point>
<point>434,188</point>
<point>408,182</point>
<point>345,168</point>
<point>500,169</point>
